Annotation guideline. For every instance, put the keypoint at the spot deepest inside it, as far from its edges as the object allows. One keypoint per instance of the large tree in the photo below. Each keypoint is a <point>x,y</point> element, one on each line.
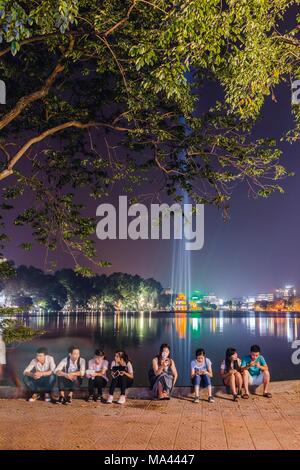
<point>103,92</point>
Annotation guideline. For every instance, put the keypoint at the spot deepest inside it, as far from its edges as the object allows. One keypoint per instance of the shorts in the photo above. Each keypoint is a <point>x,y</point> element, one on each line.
<point>256,379</point>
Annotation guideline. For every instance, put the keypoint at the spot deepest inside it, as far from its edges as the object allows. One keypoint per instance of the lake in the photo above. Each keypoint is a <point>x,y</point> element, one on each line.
<point>141,334</point>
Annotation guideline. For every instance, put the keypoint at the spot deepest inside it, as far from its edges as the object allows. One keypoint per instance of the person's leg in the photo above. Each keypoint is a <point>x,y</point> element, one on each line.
<point>112,388</point>
<point>196,383</point>
<point>246,378</point>
<point>266,377</point>
<point>238,382</point>
<point>30,384</point>
<point>91,386</point>
<point>232,384</point>
<point>100,384</point>
<point>206,383</point>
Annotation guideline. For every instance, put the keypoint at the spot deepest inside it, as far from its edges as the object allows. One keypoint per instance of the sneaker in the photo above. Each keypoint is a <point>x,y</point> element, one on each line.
<point>211,399</point>
<point>109,399</point>
<point>122,400</point>
<point>196,400</point>
<point>61,401</point>
<point>90,398</point>
<point>33,397</point>
<point>68,401</point>
<point>100,399</point>
<point>47,397</point>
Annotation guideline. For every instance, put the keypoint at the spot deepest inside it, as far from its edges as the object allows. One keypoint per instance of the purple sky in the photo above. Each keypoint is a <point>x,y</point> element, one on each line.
<point>257,250</point>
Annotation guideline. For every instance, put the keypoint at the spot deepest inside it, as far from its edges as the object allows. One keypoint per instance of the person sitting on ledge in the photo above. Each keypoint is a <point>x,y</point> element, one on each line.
<point>231,373</point>
<point>163,374</point>
<point>39,377</point>
<point>96,373</point>
<point>201,374</point>
<point>255,371</point>
<point>122,376</point>
<point>70,372</point>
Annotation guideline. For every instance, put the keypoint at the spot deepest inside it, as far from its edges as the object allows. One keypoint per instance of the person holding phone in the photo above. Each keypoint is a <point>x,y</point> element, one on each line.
<point>255,371</point>
<point>163,373</point>
<point>122,376</point>
<point>201,374</point>
<point>96,373</point>
<point>231,373</point>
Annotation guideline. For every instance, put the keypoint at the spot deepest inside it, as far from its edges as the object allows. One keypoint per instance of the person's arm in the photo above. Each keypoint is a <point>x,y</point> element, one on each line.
<point>156,367</point>
<point>102,372</point>
<point>174,372</point>
<point>51,369</point>
<point>244,365</point>
<point>28,371</point>
<point>263,367</point>
<point>209,369</point>
<point>129,374</point>
<point>59,369</point>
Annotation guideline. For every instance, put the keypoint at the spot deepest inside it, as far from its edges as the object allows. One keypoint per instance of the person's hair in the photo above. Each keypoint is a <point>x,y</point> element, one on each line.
<point>255,348</point>
<point>200,352</point>
<point>99,352</point>
<point>229,353</point>
<point>123,355</point>
<point>42,351</point>
<point>72,348</point>
<point>162,347</point>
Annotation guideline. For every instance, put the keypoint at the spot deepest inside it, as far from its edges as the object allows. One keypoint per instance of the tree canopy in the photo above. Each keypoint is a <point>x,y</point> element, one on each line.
<point>106,92</point>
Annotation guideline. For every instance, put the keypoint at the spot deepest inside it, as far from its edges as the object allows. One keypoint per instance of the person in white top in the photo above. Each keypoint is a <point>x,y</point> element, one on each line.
<point>2,356</point>
<point>96,373</point>
<point>70,372</point>
<point>231,372</point>
<point>38,377</point>
<point>122,376</point>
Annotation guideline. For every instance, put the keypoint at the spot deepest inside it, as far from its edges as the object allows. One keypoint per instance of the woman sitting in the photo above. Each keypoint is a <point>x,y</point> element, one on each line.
<point>163,374</point>
<point>122,376</point>
<point>231,372</point>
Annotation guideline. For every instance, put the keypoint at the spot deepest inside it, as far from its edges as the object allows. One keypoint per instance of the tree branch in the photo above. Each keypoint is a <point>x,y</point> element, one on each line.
<point>48,133</point>
<point>26,100</point>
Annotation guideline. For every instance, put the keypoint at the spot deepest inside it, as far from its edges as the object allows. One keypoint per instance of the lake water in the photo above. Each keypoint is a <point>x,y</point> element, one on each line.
<point>141,334</point>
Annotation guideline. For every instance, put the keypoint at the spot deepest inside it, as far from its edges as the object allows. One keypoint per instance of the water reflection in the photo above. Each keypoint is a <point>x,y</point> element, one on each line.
<point>141,335</point>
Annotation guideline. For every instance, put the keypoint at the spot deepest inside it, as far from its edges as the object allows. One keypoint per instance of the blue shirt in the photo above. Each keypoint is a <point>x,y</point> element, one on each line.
<point>253,370</point>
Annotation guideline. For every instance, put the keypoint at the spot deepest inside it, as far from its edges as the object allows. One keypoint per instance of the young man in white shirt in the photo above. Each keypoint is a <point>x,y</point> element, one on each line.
<point>70,372</point>
<point>39,375</point>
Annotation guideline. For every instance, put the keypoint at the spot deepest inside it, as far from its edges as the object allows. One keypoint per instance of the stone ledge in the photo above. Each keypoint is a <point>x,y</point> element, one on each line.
<point>288,386</point>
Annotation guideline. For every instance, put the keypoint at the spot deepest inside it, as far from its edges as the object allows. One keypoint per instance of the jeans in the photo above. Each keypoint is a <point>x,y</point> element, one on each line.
<point>43,385</point>
<point>122,382</point>
<point>65,384</point>
<point>99,383</point>
<point>202,380</point>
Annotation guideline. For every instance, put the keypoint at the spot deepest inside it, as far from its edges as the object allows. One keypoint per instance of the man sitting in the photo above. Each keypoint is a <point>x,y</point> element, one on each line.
<point>39,375</point>
<point>70,372</point>
<point>255,371</point>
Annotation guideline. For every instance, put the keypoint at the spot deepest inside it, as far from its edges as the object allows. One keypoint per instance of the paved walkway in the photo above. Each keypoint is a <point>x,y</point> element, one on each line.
<point>257,423</point>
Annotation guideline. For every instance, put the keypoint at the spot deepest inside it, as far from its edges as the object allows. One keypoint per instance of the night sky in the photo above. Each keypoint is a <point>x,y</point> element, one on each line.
<point>256,251</point>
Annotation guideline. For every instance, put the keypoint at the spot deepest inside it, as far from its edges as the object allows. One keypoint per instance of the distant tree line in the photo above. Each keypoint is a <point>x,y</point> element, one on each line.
<point>65,289</point>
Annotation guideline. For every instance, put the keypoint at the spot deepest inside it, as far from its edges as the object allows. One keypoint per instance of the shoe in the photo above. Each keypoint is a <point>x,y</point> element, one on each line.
<point>109,399</point>
<point>122,400</point>
<point>196,400</point>
<point>61,401</point>
<point>68,401</point>
<point>33,397</point>
<point>90,398</point>
<point>235,397</point>
<point>47,397</point>
<point>100,399</point>
<point>211,399</point>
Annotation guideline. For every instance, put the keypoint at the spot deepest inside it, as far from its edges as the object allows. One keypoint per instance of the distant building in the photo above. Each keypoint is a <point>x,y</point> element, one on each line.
<point>286,293</point>
<point>265,298</point>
